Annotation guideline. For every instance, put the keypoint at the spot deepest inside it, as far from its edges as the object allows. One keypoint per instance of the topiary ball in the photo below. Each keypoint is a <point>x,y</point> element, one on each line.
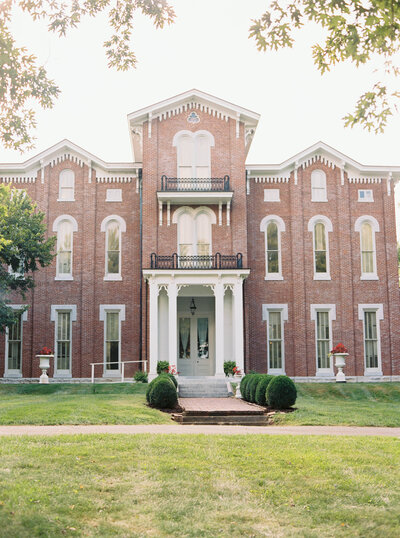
<point>150,388</point>
<point>163,394</point>
<point>261,388</point>
<point>252,387</point>
<point>281,392</point>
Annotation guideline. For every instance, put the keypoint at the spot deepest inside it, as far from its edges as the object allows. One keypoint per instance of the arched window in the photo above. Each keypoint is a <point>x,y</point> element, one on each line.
<point>318,186</point>
<point>272,226</point>
<point>194,235</point>
<point>65,226</point>
<point>66,191</point>
<point>194,154</point>
<point>320,226</point>
<point>367,226</point>
<point>113,226</point>
<point>203,234</point>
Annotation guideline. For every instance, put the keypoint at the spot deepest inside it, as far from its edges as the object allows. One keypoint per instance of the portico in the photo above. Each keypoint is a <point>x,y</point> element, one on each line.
<point>197,340</point>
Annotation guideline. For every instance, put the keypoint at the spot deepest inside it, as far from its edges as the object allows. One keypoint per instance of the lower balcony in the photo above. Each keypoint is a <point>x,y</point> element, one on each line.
<point>215,261</point>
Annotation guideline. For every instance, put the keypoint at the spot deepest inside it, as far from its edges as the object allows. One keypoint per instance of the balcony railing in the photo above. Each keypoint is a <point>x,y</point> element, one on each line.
<point>215,261</point>
<point>213,184</point>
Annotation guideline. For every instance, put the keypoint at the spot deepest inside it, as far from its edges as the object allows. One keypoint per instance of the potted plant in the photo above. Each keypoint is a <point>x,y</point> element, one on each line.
<point>340,353</point>
<point>44,356</point>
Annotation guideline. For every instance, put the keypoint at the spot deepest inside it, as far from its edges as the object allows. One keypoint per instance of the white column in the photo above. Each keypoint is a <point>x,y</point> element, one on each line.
<point>238,323</point>
<point>160,212</point>
<point>172,323</point>
<point>153,327</point>
<point>219,329</point>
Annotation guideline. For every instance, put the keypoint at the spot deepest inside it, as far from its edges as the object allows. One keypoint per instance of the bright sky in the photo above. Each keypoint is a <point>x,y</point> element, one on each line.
<point>206,48</point>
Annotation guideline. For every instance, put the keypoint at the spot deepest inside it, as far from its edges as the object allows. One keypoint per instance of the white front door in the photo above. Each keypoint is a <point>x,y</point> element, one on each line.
<point>195,352</point>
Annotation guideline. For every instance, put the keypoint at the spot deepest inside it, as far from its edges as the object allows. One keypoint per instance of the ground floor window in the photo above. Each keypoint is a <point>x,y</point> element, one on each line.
<point>371,315</point>
<point>323,315</point>
<point>275,315</point>
<point>112,342</point>
<point>63,340</point>
<point>14,344</point>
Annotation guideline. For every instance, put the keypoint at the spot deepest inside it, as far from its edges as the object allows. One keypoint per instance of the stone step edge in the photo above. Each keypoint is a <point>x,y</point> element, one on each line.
<point>225,413</point>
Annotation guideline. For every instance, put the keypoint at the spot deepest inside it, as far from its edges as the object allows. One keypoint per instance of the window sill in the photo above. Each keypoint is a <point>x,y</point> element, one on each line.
<point>366,201</point>
<point>369,277</point>
<point>112,373</point>
<point>63,277</point>
<point>273,277</point>
<point>69,200</point>
<point>318,201</point>
<point>114,201</point>
<point>16,375</point>
<point>60,375</point>
<point>112,278</point>
<point>324,373</point>
<point>276,371</point>
<point>372,372</point>
<point>322,276</point>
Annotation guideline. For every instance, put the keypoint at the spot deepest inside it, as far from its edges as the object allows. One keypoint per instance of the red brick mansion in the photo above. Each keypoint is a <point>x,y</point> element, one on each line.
<point>188,254</point>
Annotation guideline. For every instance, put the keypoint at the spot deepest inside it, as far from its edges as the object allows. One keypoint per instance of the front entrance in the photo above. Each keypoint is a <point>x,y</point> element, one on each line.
<point>195,346</point>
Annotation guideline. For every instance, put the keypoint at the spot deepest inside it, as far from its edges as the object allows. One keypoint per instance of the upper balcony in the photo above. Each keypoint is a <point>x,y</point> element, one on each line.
<point>195,191</point>
<point>214,261</point>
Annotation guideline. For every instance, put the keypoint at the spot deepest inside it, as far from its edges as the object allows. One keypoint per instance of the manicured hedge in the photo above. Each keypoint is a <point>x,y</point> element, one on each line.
<point>163,394</point>
<point>261,388</point>
<point>243,385</point>
<point>281,392</point>
<point>252,387</point>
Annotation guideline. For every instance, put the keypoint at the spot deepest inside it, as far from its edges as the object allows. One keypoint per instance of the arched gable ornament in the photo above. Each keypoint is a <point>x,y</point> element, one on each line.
<point>193,118</point>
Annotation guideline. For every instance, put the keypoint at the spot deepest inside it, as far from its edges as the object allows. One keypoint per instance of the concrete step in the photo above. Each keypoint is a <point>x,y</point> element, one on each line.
<point>239,420</point>
<point>202,387</point>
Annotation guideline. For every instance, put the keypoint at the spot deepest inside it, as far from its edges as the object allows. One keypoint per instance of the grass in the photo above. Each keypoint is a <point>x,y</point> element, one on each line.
<point>352,404</point>
<point>194,485</point>
<point>77,404</point>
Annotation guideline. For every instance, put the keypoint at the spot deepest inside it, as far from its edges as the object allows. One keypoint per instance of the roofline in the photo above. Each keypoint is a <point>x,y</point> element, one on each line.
<point>189,94</point>
<point>67,144</point>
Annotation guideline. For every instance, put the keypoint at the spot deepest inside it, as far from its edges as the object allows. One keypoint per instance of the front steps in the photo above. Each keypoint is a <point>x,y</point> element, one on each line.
<point>229,418</point>
<point>203,387</point>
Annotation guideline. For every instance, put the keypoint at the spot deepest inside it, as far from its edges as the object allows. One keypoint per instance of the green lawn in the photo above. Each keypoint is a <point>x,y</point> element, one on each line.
<point>194,485</point>
<point>77,404</point>
<point>355,404</point>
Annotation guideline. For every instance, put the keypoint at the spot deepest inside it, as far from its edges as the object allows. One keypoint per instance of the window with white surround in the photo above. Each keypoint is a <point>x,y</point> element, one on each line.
<point>275,315</point>
<point>112,316</point>
<point>272,226</point>
<point>63,316</point>
<point>193,153</point>
<point>371,315</point>
<point>65,226</point>
<point>271,195</point>
<point>113,226</point>
<point>318,186</point>
<point>194,233</point>
<point>365,195</point>
<point>367,226</point>
<point>323,315</point>
<point>13,343</point>
<point>320,226</point>
<point>66,191</point>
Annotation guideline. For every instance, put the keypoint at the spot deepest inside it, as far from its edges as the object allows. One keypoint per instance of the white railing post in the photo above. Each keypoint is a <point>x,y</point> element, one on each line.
<point>145,366</point>
<point>92,365</point>
<point>122,372</point>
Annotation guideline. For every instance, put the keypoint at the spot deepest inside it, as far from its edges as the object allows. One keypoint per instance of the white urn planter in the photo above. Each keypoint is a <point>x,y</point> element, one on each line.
<point>44,365</point>
<point>340,363</point>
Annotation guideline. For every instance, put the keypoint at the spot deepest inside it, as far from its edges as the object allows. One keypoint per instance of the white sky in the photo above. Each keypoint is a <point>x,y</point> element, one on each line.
<point>206,48</point>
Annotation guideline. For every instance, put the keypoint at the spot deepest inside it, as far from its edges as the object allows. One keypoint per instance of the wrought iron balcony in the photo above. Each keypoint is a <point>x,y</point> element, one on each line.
<point>215,261</point>
<point>213,184</point>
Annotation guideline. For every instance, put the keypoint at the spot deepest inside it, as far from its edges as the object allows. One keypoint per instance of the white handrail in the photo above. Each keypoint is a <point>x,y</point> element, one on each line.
<point>93,364</point>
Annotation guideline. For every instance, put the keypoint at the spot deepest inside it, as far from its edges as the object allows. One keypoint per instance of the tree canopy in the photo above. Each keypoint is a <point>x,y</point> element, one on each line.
<point>23,247</point>
<point>23,81</point>
<point>361,31</point>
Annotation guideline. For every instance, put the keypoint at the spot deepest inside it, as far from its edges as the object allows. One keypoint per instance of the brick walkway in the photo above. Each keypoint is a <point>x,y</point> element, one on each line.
<point>211,405</point>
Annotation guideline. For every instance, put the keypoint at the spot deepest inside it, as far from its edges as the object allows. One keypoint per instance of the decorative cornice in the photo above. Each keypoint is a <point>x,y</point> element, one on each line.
<point>26,178</point>
<point>364,179</point>
<point>271,179</point>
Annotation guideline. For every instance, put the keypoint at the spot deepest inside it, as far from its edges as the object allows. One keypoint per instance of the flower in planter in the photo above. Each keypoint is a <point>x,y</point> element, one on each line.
<point>172,370</point>
<point>339,349</point>
<point>236,371</point>
<point>45,351</point>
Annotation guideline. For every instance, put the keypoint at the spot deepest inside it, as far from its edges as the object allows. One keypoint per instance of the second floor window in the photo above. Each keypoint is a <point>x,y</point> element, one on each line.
<point>272,248</point>
<point>367,226</point>
<point>320,254</point>
<point>64,249</point>
<point>194,234</point>
<point>194,154</point>
<point>66,191</point>
<point>113,248</point>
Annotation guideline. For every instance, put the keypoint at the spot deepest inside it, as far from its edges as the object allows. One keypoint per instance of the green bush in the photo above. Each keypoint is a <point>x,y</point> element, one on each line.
<point>163,394</point>
<point>243,385</point>
<point>141,377</point>
<point>261,388</point>
<point>281,392</point>
<point>171,377</point>
<point>149,389</point>
<point>252,387</point>
<point>228,367</point>
<point>162,366</point>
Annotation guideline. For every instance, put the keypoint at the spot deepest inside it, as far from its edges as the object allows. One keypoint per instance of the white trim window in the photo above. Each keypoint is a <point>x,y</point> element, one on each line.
<point>63,316</point>
<point>66,186</point>
<point>272,226</point>
<point>323,315</point>
<point>65,226</point>
<point>275,315</point>
<point>365,195</point>
<point>193,153</point>
<point>113,226</point>
<point>112,316</point>
<point>13,344</point>
<point>320,226</point>
<point>371,315</point>
<point>367,226</point>
<point>318,186</point>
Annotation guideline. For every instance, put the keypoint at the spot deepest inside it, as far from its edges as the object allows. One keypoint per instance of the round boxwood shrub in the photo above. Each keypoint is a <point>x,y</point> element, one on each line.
<point>252,387</point>
<point>243,385</point>
<point>150,388</point>
<point>173,379</point>
<point>163,395</point>
<point>261,388</point>
<point>281,392</point>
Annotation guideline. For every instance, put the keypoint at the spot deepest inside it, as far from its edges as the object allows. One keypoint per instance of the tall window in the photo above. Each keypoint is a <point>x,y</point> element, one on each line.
<point>371,315</point>
<point>194,235</point>
<point>64,249</point>
<point>367,226</point>
<point>272,226</point>
<point>203,234</point>
<point>66,190</point>
<point>318,186</point>
<point>320,226</point>
<point>63,341</point>
<point>275,315</point>
<point>323,315</point>
<point>112,342</point>
<point>14,345</point>
<point>113,225</point>
<point>194,153</point>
